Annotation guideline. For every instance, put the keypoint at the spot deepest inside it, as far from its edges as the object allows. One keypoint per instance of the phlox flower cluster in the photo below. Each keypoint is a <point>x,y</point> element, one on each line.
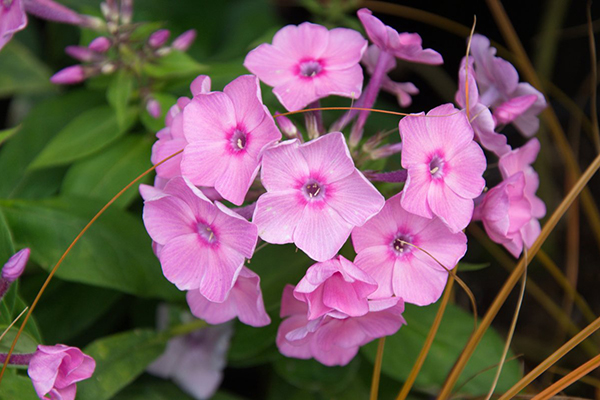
<point>237,181</point>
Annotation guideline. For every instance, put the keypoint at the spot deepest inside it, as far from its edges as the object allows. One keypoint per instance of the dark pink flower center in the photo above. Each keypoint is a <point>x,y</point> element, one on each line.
<point>436,167</point>
<point>401,244</point>
<point>313,190</point>
<point>310,68</point>
<point>206,233</point>
<point>238,140</point>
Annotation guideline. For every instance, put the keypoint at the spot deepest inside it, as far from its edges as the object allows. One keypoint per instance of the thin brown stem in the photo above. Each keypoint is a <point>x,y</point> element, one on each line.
<point>377,370</point>
<point>566,381</point>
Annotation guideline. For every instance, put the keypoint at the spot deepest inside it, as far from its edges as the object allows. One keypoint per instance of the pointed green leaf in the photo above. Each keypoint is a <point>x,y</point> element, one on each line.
<point>22,72</point>
<point>85,135</point>
<point>118,95</point>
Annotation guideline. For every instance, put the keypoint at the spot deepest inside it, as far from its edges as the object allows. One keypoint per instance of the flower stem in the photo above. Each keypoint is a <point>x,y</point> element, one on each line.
<point>377,370</point>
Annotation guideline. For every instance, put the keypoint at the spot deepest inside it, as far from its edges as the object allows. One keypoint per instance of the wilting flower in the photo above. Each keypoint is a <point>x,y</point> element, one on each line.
<point>511,211</point>
<point>479,114</point>
<point>335,287</point>
<point>201,245</point>
<point>334,340</point>
<point>195,361</point>
<point>315,196</point>
<point>445,166</point>
<point>55,370</point>
<point>244,301</point>
<point>499,87</point>
<point>227,132</point>
<point>308,62</point>
<point>392,248</point>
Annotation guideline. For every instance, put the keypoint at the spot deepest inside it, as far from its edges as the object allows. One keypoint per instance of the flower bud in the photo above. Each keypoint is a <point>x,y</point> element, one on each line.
<point>15,265</point>
<point>100,44</point>
<point>153,108</point>
<point>126,11</point>
<point>81,53</point>
<point>159,38</point>
<point>185,40</point>
<point>69,76</point>
<point>286,125</point>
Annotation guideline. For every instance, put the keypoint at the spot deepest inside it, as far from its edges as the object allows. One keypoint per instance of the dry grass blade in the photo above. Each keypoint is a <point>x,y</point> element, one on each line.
<point>514,278</point>
<point>594,85</point>
<point>511,331</point>
<point>12,323</point>
<point>428,342</point>
<point>552,359</point>
<point>566,381</point>
<point>377,370</point>
<point>55,268</point>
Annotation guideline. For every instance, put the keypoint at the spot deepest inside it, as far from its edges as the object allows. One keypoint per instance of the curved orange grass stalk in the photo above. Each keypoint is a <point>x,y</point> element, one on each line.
<point>514,278</point>
<point>566,381</point>
<point>377,369</point>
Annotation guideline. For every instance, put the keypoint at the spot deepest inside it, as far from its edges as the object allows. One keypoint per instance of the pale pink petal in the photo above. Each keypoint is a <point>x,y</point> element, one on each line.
<point>276,216</point>
<point>284,167</point>
<point>235,232</point>
<point>506,112</point>
<point>221,274</point>
<point>244,93</point>
<point>483,126</point>
<point>297,349</point>
<point>305,41</point>
<point>455,211</point>
<point>378,263</point>
<point>354,198</point>
<point>296,94</point>
<point>418,144</point>
<point>528,123</point>
<point>345,82</point>
<point>186,258</point>
<point>289,304</point>
<point>328,156</point>
<point>419,282</point>
<point>449,126</point>
<point>200,205</point>
<point>416,191</point>
<point>344,49</point>
<point>168,217</point>
<point>208,117</point>
<point>376,30</point>
<point>378,231</point>
<point>12,19</point>
<point>321,232</point>
<point>272,65</point>
<point>203,162</point>
<point>234,182</point>
<point>262,136</point>
<point>200,85</point>
<point>464,171</point>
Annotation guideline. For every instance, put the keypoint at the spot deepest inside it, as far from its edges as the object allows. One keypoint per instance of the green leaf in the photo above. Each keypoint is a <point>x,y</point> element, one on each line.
<point>8,133</point>
<point>21,72</point>
<point>175,64</point>
<point>7,247</point>
<point>402,349</point>
<point>114,253</point>
<point>17,387</point>
<point>102,175</point>
<point>119,360</point>
<point>85,135</point>
<point>42,123</point>
<point>68,309</point>
<point>146,389</point>
<point>118,95</point>
<point>316,377</point>
<point>27,343</point>
<point>253,346</point>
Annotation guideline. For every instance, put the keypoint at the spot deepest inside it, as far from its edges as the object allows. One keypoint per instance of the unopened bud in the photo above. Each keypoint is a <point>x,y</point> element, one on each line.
<point>15,265</point>
<point>286,125</point>
<point>163,51</point>
<point>153,108</point>
<point>386,150</point>
<point>126,11</point>
<point>100,44</point>
<point>69,76</point>
<point>185,40</point>
<point>159,38</point>
<point>108,68</point>
<point>81,53</point>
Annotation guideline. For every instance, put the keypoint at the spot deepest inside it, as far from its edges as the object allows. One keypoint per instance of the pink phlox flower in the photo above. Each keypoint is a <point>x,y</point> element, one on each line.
<point>315,196</point>
<point>335,287</point>
<point>201,245</point>
<point>402,90</point>
<point>499,83</point>
<point>55,370</point>
<point>480,116</point>
<point>334,340</point>
<point>308,62</point>
<point>445,166</point>
<point>505,212</point>
<point>195,361</point>
<point>171,138</point>
<point>407,46</point>
<point>402,269</point>
<point>227,132</point>
<point>244,301</point>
